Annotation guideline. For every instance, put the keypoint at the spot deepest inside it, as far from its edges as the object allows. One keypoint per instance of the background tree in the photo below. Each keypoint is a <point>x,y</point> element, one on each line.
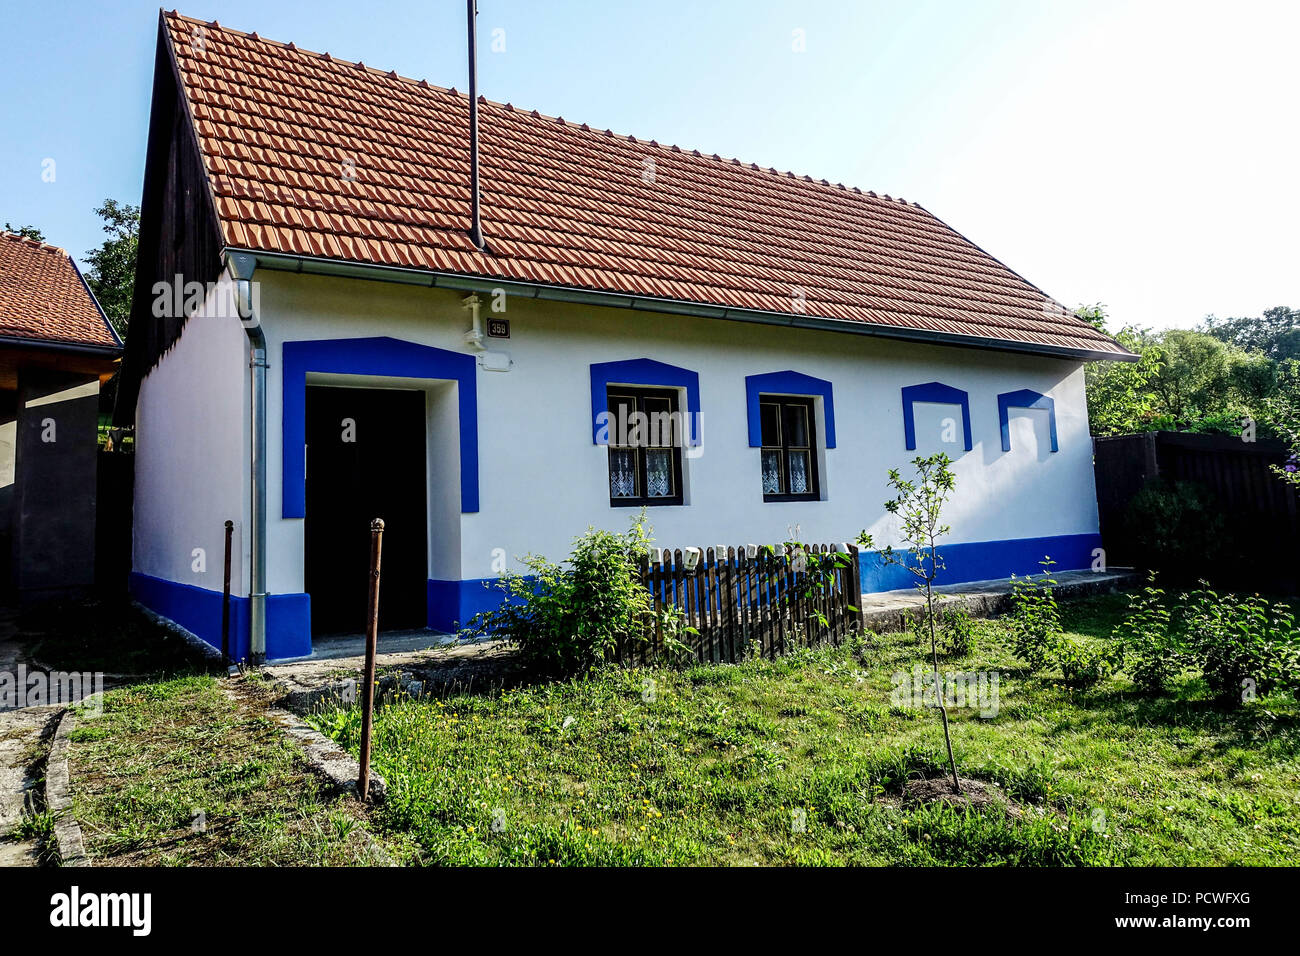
<point>111,275</point>
<point>1276,333</point>
<point>29,232</point>
<point>1120,398</point>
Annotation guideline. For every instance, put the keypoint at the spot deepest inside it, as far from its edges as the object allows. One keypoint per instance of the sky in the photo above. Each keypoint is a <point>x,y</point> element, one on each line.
<point>1142,155</point>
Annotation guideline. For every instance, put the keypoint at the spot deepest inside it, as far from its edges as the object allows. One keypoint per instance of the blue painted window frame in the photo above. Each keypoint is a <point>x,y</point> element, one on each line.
<point>787,383</point>
<point>1025,398</point>
<point>940,394</point>
<point>643,372</point>
<point>379,355</point>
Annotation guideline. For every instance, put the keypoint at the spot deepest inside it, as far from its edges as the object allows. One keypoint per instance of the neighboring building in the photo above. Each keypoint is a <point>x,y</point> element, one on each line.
<point>812,335</point>
<point>56,348</point>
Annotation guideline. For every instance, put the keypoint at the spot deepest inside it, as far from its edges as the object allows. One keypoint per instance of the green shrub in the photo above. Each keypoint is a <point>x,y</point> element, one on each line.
<point>1245,645</point>
<point>568,618</point>
<point>1035,621</point>
<point>1177,529</point>
<point>1083,664</point>
<point>1153,652</point>
<point>955,630</point>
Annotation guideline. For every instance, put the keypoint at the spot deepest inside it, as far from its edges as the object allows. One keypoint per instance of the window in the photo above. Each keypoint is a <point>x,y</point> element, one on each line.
<point>789,449</point>
<point>645,447</point>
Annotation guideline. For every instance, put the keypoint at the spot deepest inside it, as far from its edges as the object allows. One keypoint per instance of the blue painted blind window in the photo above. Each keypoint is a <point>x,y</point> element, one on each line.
<point>789,451</point>
<point>645,447</point>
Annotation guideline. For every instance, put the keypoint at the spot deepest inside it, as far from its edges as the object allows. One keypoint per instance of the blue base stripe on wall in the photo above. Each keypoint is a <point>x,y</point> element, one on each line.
<point>985,560</point>
<point>453,604</point>
<point>198,610</point>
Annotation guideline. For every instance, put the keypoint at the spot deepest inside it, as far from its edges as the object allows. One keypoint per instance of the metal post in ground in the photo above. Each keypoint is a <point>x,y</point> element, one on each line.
<point>372,640</point>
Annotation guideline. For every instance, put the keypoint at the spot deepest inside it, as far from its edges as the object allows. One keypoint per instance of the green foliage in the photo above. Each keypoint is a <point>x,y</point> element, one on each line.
<point>1275,334</point>
<point>818,575</point>
<point>569,618</point>
<point>1154,655</point>
<point>1120,398</point>
<point>954,627</point>
<point>1284,409</point>
<point>1177,527</point>
<point>1035,620</point>
<point>1202,380</point>
<point>27,232</point>
<point>1084,663</point>
<point>1245,645</point>
<point>111,275</point>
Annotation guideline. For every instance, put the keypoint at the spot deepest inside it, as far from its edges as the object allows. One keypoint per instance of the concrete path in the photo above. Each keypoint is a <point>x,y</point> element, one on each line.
<point>891,610</point>
<point>20,748</point>
<point>338,646</point>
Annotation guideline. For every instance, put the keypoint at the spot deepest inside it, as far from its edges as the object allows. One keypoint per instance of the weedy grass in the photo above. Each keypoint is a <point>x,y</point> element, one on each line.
<point>175,773</point>
<point>802,760</point>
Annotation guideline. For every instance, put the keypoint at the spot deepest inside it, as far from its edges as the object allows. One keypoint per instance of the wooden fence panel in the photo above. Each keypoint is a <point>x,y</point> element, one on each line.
<point>1261,511</point>
<point>737,603</point>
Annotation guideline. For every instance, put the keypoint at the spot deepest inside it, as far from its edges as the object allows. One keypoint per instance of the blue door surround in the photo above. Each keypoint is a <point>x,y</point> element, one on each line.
<point>380,355</point>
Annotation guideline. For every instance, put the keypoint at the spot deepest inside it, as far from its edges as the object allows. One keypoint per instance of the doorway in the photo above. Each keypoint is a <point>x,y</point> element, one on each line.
<point>365,460</point>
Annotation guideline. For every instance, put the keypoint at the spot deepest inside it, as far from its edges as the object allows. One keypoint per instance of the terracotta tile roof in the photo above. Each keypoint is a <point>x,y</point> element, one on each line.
<point>311,155</point>
<point>42,296</point>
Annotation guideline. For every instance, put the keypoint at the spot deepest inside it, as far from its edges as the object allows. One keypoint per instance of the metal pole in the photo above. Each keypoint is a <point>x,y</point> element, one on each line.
<point>225,599</point>
<point>476,223</point>
<point>372,640</point>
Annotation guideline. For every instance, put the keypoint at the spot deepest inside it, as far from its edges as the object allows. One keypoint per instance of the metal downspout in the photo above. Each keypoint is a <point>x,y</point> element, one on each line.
<point>242,267</point>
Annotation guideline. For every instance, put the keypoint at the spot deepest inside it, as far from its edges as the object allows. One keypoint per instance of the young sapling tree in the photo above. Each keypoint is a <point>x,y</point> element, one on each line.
<point>919,505</point>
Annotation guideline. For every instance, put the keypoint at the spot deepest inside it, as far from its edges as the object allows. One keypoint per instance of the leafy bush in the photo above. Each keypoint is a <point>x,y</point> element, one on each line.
<point>1152,648</point>
<point>568,618</point>
<point>954,628</point>
<point>1245,645</point>
<point>1083,664</point>
<point>1177,528</point>
<point>1035,621</point>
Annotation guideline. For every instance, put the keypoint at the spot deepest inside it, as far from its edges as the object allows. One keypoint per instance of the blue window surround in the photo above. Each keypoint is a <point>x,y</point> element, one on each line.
<point>940,394</point>
<point>1025,398</point>
<point>380,355</point>
<point>642,372</point>
<point>786,383</point>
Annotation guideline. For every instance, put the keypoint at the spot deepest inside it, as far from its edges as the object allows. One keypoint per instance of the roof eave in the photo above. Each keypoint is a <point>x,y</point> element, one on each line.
<point>343,268</point>
<point>60,345</point>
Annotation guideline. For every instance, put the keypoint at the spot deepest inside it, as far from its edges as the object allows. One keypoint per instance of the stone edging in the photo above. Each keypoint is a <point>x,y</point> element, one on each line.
<point>58,797</point>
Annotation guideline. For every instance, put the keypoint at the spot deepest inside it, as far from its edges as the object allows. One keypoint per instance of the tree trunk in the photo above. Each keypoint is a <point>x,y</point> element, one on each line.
<point>934,657</point>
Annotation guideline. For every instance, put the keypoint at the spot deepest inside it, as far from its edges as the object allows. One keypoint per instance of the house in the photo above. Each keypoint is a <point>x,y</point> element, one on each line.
<point>56,348</point>
<point>316,340</point>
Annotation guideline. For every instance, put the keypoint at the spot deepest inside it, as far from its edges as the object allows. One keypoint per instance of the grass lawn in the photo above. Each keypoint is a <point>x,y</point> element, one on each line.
<point>162,753</point>
<point>803,761</point>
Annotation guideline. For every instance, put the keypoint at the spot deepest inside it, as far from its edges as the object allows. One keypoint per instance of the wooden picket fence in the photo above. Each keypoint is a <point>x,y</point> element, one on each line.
<point>745,600</point>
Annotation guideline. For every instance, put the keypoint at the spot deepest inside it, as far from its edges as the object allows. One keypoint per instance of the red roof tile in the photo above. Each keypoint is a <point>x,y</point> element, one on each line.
<point>42,296</point>
<point>311,155</point>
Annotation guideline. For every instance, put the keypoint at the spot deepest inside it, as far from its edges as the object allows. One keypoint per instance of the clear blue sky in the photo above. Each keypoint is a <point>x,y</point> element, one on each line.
<point>1141,154</point>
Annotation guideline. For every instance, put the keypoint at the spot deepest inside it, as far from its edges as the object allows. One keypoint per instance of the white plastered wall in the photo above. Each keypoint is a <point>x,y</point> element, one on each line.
<point>542,481</point>
<point>191,451</point>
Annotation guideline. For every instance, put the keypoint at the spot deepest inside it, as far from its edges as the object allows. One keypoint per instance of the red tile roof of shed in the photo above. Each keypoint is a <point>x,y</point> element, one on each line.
<point>314,156</point>
<point>43,298</point>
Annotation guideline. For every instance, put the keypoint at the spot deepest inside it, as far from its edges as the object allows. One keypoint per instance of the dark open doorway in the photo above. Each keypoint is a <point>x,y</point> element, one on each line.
<point>365,460</point>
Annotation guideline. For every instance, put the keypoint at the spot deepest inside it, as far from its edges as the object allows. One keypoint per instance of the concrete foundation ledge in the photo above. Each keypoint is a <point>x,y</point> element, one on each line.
<point>885,611</point>
<point>58,797</point>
